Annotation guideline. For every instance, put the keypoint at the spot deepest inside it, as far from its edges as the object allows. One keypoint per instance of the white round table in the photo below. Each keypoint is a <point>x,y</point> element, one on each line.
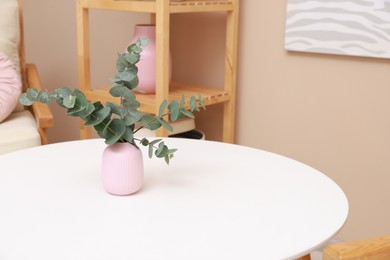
<point>214,201</point>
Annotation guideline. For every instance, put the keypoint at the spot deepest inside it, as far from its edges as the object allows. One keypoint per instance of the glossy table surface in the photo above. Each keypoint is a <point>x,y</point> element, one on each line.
<point>214,201</point>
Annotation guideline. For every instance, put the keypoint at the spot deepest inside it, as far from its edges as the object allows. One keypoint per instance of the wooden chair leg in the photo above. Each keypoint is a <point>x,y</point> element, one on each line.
<point>305,257</point>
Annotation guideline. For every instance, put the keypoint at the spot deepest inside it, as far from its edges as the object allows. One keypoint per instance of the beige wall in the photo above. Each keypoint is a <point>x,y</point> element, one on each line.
<point>331,112</point>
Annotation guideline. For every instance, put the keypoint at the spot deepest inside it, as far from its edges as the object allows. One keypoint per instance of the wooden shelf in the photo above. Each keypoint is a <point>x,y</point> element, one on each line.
<point>148,101</point>
<point>161,10</point>
<point>187,6</point>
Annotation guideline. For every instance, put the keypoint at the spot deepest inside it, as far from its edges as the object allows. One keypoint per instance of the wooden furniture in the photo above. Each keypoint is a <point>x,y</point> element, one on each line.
<point>161,10</point>
<point>369,249</point>
<point>21,119</point>
<point>30,77</point>
<point>214,201</point>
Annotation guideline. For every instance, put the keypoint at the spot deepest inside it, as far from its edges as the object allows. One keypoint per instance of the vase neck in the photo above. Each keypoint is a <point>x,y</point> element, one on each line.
<point>145,31</point>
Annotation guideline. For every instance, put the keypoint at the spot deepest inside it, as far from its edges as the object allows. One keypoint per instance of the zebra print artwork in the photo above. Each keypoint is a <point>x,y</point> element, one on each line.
<point>345,27</point>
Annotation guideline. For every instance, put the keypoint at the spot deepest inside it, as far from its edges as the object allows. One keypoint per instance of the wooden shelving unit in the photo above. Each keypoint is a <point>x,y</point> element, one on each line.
<point>161,9</point>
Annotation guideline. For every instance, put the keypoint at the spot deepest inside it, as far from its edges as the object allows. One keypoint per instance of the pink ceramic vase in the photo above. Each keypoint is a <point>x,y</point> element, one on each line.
<point>147,64</point>
<point>122,169</point>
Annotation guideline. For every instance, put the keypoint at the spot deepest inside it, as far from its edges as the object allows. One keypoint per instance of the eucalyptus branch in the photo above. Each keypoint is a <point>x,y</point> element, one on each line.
<point>116,123</point>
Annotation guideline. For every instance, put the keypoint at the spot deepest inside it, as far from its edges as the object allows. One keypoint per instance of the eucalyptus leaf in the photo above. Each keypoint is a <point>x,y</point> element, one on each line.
<point>126,75</point>
<point>155,141</point>
<point>132,118</point>
<point>98,116</point>
<point>163,106</point>
<point>201,102</point>
<point>128,135</point>
<point>121,63</point>
<point>115,130</point>
<point>114,108</point>
<point>150,122</point>
<point>143,42</point>
<point>161,153</point>
<point>145,142</point>
<point>44,97</point>
<point>187,113</point>
<point>24,100</point>
<point>69,101</point>
<point>63,92</point>
<point>193,105</point>
<point>102,127</point>
<point>132,57</point>
<point>150,151</point>
<point>173,108</point>
<point>121,91</point>
<point>165,124</point>
<point>160,149</point>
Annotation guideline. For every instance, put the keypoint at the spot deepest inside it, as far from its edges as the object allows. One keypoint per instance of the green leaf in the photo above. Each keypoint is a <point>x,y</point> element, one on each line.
<point>114,108</point>
<point>102,128</point>
<point>115,130</point>
<point>86,113</point>
<point>130,104</point>
<point>155,141</point>
<point>69,101</point>
<point>132,118</point>
<point>128,135</point>
<point>150,122</point>
<point>32,94</point>
<point>98,116</point>
<point>161,153</point>
<point>24,100</point>
<point>150,151</point>
<point>143,42</point>
<point>44,97</point>
<point>193,105</point>
<point>63,92</point>
<point>165,124</point>
<point>132,58</point>
<point>76,110</point>
<point>135,47</point>
<point>163,106</point>
<point>126,75</point>
<point>160,149</point>
<point>121,63</point>
<point>145,142</point>
<point>121,91</point>
<point>187,113</point>
<point>201,101</point>
<point>173,108</point>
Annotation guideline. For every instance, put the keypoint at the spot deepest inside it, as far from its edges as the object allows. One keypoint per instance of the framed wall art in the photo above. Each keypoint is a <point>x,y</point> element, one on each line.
<point>345,27</point>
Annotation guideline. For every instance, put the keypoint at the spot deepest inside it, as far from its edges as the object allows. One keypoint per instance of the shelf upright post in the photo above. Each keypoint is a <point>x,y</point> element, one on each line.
<point>229,109</point>
<point>83,55</point>
<point>162,56</point>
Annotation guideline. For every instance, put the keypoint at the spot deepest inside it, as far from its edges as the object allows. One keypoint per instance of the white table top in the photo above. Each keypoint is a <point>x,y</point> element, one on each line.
<point>214,201</point>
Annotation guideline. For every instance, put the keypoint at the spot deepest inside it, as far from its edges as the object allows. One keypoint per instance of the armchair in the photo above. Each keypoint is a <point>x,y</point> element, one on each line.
<point>19,127</point>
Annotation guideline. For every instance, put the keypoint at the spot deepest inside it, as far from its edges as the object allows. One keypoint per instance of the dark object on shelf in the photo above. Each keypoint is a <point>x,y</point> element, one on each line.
<point>192,134</point>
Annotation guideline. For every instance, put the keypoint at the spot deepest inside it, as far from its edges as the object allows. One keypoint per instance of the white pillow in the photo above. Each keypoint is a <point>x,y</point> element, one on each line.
<point>10,87</point>
<point>10,31</point>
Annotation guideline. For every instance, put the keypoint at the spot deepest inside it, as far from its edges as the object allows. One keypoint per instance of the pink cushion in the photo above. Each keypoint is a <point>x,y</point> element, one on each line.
<point>10,87</point>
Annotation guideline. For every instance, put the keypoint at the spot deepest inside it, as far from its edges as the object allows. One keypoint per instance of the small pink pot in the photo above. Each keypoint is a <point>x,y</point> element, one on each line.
<point>122,169</point>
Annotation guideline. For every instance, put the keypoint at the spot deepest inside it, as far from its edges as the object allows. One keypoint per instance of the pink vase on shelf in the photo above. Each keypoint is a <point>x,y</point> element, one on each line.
<point>147,64</point>
<point>122,169</point>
